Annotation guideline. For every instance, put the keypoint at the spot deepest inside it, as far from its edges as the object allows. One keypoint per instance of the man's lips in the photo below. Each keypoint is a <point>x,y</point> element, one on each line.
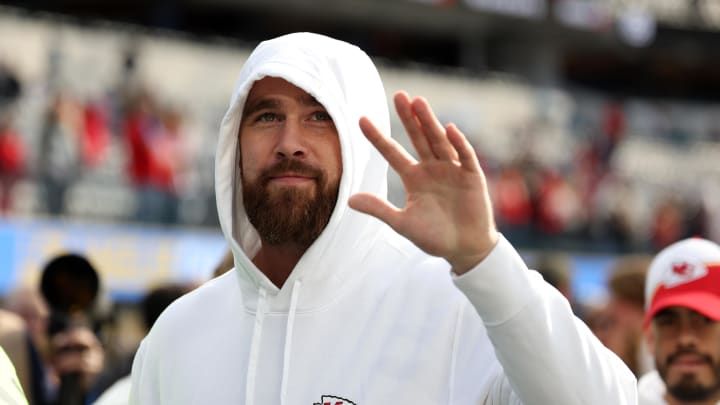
<point>688,361</point>
<point>291,178</point>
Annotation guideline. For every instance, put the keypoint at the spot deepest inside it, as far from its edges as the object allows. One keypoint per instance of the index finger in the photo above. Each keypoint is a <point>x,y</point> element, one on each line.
<point>397,157</point>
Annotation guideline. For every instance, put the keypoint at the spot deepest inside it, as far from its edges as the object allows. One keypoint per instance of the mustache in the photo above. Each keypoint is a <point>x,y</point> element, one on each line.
<point>290,165</point>
<point>671,358</point>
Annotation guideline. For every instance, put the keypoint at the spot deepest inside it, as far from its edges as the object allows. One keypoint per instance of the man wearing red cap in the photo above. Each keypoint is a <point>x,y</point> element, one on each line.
<point>682,325</point>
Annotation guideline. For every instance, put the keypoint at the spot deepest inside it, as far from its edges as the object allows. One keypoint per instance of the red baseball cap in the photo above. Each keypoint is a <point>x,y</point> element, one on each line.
<point>685,274</point>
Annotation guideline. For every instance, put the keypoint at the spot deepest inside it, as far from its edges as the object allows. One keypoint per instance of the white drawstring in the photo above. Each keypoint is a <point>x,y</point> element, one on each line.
<point>288,340</point>
<point>255,348</point>
<point>455,348</point>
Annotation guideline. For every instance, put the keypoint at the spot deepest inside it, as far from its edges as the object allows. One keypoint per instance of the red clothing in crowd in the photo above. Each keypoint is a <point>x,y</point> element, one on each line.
<point>12,163</point>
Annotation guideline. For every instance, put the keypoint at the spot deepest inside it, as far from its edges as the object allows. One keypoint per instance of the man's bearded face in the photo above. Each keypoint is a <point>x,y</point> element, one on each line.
<point>688,386</point>
<point>290,214</point>
<point>687,353</point>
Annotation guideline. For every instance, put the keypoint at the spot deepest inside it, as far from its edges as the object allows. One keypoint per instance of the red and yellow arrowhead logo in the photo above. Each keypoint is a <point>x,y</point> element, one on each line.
<point>333,400</point>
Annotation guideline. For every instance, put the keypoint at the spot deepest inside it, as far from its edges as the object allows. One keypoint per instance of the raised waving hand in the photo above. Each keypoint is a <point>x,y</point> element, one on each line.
<point>447,212</point>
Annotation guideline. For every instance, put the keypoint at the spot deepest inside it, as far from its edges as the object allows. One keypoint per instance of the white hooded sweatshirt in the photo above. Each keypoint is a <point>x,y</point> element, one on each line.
<point>365,317</point>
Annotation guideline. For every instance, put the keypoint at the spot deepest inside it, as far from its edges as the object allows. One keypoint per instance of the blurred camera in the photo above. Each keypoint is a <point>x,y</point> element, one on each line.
<point>71,286</point>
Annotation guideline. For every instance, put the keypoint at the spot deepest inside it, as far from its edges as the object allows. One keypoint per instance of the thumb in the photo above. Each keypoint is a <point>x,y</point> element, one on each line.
<point>375,206</point>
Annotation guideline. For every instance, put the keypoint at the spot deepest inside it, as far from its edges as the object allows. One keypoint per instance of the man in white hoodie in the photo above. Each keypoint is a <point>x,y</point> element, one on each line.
<point>682,322</point>
<point>427,304</point>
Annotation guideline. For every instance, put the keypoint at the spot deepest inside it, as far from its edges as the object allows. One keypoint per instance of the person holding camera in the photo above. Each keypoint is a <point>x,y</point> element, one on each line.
<point>71,286</point>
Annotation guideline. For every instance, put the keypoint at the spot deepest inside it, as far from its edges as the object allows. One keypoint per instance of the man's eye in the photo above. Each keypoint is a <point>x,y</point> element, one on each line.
<point>665,320</point>
<point>698,319</point>
<point>266,117</point>
<point>321,116</point>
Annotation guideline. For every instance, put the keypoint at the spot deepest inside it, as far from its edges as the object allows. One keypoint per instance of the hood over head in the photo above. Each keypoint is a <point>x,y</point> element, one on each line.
<point>344,80</point>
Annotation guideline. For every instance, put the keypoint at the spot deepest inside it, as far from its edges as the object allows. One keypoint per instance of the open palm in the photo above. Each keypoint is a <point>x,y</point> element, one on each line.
<point>448,211</point>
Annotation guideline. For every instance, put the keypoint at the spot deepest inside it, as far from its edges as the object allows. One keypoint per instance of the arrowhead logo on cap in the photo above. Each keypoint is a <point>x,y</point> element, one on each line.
<point>683,272</point>
<point>682,269</point>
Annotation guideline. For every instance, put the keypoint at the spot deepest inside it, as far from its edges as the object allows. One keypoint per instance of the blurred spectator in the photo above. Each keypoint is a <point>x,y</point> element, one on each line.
<point>560,210</point>
<point>513,204</point>
<point>668,222</point>
<point>226,264</point>
<point>710,196</point>
<point>169,159</point>
<point>30,305</point>
<point>71,286</point>
<point>59,161</point>
<point>621,329</point>
<point>556,269</point>
<point>612,130</point>
<point>10,86</point>
<point>95,134</point>
<point>12,161</point>
<point>159,157</point>
<point>587,174</point>
<point>138,122</point>
<point>697,223</point>
<point>159,298</point>
<point>152,305</point>
<point>77,357</point>
<point>12,147</point>
<point>616,220</point>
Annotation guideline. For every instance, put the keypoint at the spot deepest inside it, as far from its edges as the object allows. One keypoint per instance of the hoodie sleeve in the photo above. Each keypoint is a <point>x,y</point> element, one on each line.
<point>547,354</point>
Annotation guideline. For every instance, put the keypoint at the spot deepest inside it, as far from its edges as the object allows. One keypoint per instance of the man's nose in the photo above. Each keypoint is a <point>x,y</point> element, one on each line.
<point>291,142</point>
<point>687,335</point>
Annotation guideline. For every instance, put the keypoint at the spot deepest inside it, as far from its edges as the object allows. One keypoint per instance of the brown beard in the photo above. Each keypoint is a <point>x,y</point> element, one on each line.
<point>688,388</point>
<point>290,215</point>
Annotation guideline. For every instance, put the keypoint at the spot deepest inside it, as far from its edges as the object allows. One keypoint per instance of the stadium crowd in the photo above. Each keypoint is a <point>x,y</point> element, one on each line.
<point>130,139</point>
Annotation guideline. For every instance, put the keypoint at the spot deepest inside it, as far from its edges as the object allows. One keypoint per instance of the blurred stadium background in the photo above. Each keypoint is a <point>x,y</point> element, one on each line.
<point>597,121</point>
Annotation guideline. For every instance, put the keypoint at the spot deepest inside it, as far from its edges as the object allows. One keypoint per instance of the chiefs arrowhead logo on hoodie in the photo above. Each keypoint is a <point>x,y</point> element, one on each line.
<point>332,400</point>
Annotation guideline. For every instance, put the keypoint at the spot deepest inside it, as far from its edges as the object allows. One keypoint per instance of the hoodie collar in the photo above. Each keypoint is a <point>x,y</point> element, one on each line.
<point>345,81</point>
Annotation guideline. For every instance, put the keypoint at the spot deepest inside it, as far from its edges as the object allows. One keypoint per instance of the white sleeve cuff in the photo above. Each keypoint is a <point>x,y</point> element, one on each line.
<point>499,286</point>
